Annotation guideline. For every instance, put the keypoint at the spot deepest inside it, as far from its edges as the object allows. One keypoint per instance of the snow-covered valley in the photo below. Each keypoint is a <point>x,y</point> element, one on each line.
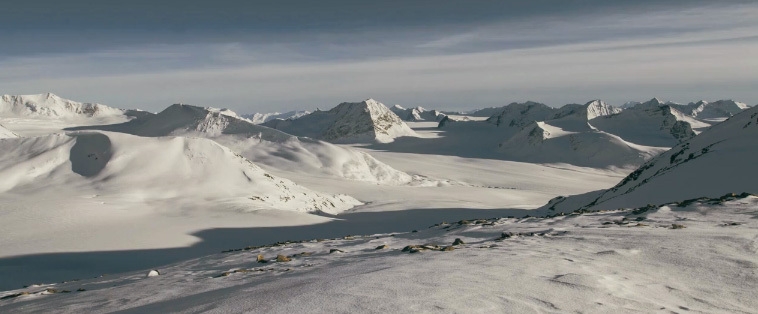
<point>357,209</point>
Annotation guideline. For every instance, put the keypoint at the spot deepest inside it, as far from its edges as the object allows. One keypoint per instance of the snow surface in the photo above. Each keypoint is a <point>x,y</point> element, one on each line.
<point>609,262</point>
<point>368,121</point>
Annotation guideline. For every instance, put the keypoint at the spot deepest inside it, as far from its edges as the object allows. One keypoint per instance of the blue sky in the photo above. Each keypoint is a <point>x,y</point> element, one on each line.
<point>284,55</point>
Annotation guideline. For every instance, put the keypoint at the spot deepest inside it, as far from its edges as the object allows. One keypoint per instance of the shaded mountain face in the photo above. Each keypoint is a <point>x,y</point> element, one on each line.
<point>368,121</point>
<point>718,161</point>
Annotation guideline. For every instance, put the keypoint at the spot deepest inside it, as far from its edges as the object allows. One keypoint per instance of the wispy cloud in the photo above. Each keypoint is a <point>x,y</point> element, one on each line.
<point>682,55</point>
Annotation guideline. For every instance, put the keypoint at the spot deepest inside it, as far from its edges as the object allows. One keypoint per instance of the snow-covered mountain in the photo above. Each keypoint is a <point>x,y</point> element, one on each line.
<point>713,111</point>
<point>259,118</point>
<point>417,114</point>
<point>652,123</point>
<point>263,145</point>
<point>699,258</point>
<point>51,106</point>
<point>35,115</point>
<point>718,161</point>
<point>567,136</point>
<point>368,121</point>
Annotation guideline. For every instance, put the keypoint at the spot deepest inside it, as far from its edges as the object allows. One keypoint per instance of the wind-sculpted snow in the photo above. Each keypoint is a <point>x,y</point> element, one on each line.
<point>362,122</point>
<point>718,161</point>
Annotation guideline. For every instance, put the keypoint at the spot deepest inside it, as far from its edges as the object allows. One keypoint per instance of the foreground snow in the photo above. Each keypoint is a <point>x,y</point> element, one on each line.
<point>679,257</point>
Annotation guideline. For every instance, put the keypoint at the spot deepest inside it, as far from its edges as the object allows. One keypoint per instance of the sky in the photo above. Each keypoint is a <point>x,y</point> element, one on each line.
<point>265,56</point>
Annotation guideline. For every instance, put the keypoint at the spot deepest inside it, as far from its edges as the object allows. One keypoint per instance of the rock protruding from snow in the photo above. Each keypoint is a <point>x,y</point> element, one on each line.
<point>259,118</point>
<point>183,170</point>
<point>417,114</point>
<point>51,106</point>
<point>718,161</point>
<point>368,121</point>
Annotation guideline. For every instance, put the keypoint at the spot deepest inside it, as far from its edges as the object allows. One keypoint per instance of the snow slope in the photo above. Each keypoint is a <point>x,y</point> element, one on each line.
<point>264,145</point>
<point>596,262</point>
<point>368,121</point>
<point>718,161</point>
<point>259,118</point>
<point>151,168</point>
<point>5,133</point>
<point>34,115</point>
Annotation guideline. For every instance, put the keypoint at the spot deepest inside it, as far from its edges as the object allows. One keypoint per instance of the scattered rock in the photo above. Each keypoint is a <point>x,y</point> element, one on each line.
<point>51,290</point>
<point>448,248</point>
<point>414,231</point>
<point>282,259</point>
<point>261,259</point>
<point>336,251</point>
<point>153,273</point>
<point>301,254</point>
<point>458,241</point>
<point>382,247</point>
<point>677,226</point>
<point>81,290</point>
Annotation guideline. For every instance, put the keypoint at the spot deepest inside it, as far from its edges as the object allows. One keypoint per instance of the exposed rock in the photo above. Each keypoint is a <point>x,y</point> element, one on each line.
<point>282,259</point>
<point>458,241</point>
<point>153,273</point>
